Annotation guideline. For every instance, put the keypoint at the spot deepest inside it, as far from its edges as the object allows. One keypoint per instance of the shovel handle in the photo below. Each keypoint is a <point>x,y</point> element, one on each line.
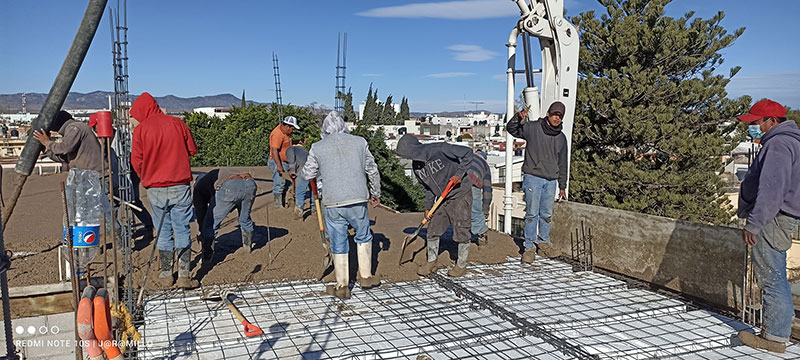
<point>316,202</point>
<point>450,185</point>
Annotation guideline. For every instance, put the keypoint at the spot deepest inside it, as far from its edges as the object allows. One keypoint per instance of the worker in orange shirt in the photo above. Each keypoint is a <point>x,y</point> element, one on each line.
<point>280,140</point>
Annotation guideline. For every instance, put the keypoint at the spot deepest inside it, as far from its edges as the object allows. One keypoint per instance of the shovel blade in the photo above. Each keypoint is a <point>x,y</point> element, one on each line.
<point>408,239</point>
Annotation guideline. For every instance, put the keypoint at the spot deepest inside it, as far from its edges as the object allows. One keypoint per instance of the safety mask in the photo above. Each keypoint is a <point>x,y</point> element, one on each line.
<point>755,131</point>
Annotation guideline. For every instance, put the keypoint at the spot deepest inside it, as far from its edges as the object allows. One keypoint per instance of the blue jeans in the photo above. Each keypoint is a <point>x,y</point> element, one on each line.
<point>336,220</point>
<point>278,182</point>
<point>302,192</point>
<point>176,216</point>
<point>540,194</point>
<point>478,220</point>
<point>769,265</point>
<point>234,193</point>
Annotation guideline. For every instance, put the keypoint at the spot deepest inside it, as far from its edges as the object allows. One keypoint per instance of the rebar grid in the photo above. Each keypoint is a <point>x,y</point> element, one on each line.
<point>590,316</point>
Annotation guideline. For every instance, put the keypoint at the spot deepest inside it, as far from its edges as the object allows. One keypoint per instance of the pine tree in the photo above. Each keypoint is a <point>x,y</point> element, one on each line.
<point>652,119</point>
<point>371,111</point>
<point>387,114</point>
<point>244,103</point>
<point>404,113</point>
<point>349,114</point>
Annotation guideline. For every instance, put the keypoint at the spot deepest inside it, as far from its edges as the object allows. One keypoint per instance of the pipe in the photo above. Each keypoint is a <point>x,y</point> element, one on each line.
<point>73,268</point>
<point>58,93</point>
<point>507,197</point>
<point>526,51</point>
<point>524,8</point>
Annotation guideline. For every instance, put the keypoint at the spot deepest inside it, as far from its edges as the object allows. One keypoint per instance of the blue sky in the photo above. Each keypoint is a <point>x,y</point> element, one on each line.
<point>441,55</point>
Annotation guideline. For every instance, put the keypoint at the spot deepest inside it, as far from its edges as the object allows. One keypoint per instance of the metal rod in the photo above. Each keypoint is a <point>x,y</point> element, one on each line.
<point>152,253</point>
<point>72,267</point>
<point>10,349</point>
<point>113,234</point>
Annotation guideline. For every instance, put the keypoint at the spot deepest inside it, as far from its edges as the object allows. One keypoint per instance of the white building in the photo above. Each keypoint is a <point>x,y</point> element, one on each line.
<point>220,112</point>
<point>18,118</point>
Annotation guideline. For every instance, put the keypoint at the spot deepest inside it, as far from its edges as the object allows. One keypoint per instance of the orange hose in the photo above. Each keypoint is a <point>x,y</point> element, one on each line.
<point>85,331</point>
<point>102,325</point>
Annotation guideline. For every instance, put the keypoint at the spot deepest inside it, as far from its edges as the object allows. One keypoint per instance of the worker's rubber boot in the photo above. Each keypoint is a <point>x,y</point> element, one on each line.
<point>165,277</point>
<point>184,270</point>
<point>528,256</point>
<point>544,249</point>
<point>247,240</point>
<point>341,267</point>
<point>461,264</point>
<point>433,255</point>
<point>148,234</point>
<point>758,342</point>
<point>365,278</point>
<point>483,240</point>
<point>208,249</point>
<point>298,212</point>
<point>278,200</point>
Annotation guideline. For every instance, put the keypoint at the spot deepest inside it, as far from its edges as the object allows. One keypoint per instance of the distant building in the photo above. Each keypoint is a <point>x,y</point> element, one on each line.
<point>220,112</point>
<point>18,118</point>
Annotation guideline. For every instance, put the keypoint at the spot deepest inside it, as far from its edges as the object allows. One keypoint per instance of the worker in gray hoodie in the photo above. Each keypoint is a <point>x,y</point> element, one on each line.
<point>544,169</point>
<point>435,165</point>
<point>770,201</point>
<point>344,164</point>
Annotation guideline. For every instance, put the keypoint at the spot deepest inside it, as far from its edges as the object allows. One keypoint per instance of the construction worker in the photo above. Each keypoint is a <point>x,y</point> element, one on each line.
<point>544,169</point>
<point>296,157</point>
<point>139,211</point>
<point>435,165</point>
<point>217,193</point>
<point>280,140</point>
<point>162,145</point>
<point>481,177</point>
<point>769,199</point>
<point>344,163</point>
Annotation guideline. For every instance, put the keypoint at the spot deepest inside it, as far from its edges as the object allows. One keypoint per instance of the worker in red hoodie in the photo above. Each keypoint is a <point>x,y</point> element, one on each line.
<point>162,145</point>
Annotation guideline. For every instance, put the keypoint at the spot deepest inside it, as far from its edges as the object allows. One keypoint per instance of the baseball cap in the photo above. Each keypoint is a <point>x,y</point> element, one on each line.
<point>557,108</point>
<point>762,109</point>
<point>291,120</point>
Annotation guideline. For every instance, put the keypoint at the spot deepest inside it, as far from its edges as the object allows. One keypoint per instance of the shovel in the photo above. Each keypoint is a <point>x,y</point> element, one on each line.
<point>326,262</point>
<point>250,330</point>
<point>410,238</point>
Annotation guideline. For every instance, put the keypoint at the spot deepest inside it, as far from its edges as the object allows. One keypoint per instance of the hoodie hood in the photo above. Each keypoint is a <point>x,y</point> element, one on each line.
<point>333,124</point>
<point>145,107</point>
<point>787,127</point>
<point>59,121</point>
<point>410,148</point>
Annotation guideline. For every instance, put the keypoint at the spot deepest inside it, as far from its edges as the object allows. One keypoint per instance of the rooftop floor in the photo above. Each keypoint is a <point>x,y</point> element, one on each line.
<point>505,311</point>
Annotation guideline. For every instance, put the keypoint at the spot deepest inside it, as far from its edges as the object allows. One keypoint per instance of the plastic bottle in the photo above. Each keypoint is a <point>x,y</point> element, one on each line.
<point>88,204</point>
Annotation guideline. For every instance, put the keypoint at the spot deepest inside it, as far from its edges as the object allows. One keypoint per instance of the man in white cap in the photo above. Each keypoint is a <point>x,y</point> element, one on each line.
<point>280,140</point>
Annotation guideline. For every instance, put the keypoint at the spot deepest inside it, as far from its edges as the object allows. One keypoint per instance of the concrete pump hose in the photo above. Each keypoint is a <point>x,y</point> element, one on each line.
<point>85,326</point>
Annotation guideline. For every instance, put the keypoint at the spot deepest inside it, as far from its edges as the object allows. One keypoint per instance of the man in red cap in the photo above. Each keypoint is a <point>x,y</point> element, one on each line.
<point>770,201</point>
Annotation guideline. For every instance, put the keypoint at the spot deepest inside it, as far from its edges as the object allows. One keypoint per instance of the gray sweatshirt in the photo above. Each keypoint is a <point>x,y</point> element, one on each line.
<point>545,155</point>
<point>434,165</point>
<point>296,156</point>
<point>772,183</point>
<point>78,147</point>
<point>344,163</point>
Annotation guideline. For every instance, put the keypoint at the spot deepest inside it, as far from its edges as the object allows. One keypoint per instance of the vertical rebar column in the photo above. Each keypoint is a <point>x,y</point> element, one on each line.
<point>341,68</point>
<point>277,73</point>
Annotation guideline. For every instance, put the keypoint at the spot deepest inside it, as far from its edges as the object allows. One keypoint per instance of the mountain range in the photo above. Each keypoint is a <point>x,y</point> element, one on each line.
<point>12,103</point>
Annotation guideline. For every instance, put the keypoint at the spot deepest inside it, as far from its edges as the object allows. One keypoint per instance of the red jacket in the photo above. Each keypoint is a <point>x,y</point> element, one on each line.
<point>162,145</point>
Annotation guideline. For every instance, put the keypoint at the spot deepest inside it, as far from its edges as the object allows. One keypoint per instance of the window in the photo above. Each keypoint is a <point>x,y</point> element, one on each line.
<point>517,226</point>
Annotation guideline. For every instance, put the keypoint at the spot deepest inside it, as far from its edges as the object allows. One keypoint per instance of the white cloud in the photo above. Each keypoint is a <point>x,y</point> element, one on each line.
<point>467,9</point>
<point>449,75</point>
<point>471,53</point>
<point>783,87</point>
<point>371,75</point>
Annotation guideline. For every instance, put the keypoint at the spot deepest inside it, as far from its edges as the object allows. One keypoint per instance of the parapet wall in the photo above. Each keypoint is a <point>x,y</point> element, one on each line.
<point>702,261</point>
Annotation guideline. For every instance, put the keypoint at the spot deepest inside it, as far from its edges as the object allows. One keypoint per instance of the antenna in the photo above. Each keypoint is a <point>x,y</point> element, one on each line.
<point>277,73</point>
<point>341,68</point>
<point>476,103</point>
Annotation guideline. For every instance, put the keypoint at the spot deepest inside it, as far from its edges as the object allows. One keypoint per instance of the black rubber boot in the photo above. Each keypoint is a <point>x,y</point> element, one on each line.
<point>247,240</point>
<point>184,270</point>
<point>208,248</point>
<point>165,278</point>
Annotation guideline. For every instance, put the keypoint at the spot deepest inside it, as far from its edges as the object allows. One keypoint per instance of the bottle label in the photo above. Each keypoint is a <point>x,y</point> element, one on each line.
<point>85,236</point>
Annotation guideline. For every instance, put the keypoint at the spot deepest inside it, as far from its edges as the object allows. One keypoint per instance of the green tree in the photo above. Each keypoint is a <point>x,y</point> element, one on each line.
<point>370,114</point>
<point>398,191</point>
<point>349,114</point>
<point>387,115</point>
<point>242,138</point>
<point>404,113</point>
<point>244,103</point>
<point>652,118</point>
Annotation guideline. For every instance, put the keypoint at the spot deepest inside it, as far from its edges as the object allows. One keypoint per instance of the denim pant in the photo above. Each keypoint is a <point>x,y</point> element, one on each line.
<point>176,216</point>
<point>540,194</point>
<point>336,220</point>
<point>234,193</point>
<point>278,182</point>
<point>143,215</point>
<point>769,264</point>
<point>478,220</point>
<point>302,192</point>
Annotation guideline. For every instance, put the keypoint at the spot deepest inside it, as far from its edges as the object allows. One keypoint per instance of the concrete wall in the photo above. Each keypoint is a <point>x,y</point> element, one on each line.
<point>702,261</point>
